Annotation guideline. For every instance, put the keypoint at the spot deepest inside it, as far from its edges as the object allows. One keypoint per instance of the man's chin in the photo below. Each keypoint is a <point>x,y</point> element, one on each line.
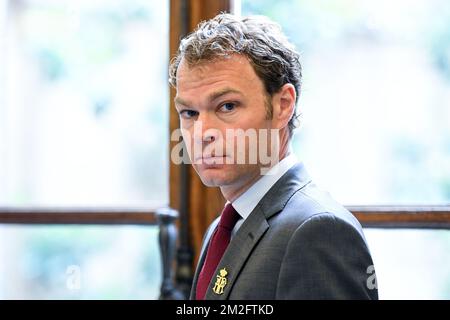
<point>213,178</point>
<point>211,184</point>
<point>210,181</point>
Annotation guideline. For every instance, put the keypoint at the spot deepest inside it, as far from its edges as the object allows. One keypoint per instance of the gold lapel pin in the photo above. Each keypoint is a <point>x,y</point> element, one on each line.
<point>221,281</point>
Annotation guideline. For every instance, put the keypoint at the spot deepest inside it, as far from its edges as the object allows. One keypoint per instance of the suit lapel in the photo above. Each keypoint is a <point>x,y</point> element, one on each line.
<point>202,257</point>
<point>252,230</point>
<point>237,253</point>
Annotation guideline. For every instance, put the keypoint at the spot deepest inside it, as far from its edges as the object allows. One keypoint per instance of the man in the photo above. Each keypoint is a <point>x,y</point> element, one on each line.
<point>279,236</point>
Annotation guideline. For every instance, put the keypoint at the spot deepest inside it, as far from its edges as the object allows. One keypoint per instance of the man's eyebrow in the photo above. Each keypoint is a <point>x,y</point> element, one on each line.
<point>180,101</point>
<point>216,95</point>
<point>213,96</point>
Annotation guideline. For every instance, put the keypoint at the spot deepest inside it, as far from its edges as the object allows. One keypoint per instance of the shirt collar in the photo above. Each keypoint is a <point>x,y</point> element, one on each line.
<point>247,201</point>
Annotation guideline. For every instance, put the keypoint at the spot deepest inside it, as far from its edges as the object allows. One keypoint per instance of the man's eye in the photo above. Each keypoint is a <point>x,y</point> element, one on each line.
<point>188,114</point>
<point>227,107</point>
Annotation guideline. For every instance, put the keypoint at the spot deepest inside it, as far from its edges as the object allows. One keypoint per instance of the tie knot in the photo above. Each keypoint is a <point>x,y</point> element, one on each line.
<point>229,217</point>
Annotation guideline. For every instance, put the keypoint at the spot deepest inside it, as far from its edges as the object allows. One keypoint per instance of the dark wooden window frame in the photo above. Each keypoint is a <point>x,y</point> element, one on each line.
<point>416,217</point>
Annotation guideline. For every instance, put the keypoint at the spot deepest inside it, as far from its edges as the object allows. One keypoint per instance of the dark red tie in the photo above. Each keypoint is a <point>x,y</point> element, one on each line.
<point>219,242</point>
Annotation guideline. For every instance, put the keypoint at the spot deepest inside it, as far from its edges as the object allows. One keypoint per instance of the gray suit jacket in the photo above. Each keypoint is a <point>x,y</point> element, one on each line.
<point>298,243</point>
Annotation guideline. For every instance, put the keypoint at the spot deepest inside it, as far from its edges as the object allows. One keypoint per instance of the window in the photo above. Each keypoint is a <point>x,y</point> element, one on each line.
<point>410,263</point>
<point>79,262</point>
<point>83,105</point>
<point>376,86</point>
<point>83,111</point>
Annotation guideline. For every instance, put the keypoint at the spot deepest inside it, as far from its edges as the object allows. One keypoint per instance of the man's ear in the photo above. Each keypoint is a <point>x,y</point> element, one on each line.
<point>283,103</point>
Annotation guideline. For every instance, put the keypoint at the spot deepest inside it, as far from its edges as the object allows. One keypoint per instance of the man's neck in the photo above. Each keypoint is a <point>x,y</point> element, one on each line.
<point>231,193</point>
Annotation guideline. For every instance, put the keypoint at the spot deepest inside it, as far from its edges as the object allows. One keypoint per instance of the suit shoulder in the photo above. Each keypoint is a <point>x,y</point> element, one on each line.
<point>310,203</point>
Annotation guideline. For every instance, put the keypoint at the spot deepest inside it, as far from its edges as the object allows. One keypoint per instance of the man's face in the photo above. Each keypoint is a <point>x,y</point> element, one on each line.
<point>216,96</point>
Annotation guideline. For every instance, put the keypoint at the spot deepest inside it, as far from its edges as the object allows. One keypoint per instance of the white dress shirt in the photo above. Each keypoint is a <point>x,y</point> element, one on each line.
<point>247,201</point>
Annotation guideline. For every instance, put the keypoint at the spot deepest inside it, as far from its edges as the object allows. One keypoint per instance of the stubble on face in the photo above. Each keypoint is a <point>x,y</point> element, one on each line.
<point>195,86</point>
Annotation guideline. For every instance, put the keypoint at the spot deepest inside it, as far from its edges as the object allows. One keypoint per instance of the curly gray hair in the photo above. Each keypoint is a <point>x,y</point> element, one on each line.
<point>273,57</point>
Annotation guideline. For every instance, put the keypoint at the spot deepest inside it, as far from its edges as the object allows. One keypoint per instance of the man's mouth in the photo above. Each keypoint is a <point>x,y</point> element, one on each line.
<point>219,159</point>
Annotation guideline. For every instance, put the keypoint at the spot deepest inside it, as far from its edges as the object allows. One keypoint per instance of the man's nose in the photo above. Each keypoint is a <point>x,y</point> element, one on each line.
<point>206,129</point>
